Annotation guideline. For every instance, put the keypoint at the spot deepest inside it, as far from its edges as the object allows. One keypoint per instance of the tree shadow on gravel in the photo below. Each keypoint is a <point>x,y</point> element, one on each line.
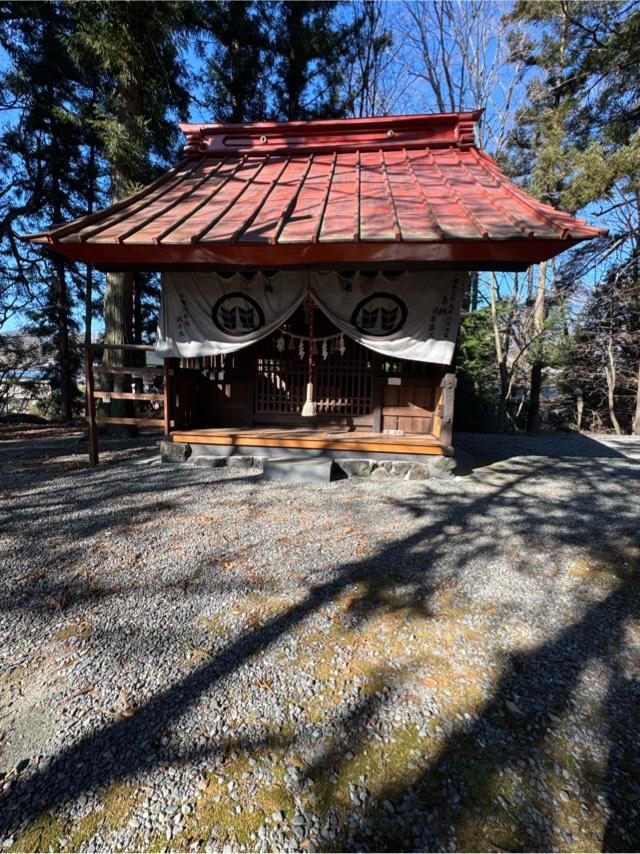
<point>516,725</point>
<point>60,525</point>
<point>486,448</point>
<point>514,744</point>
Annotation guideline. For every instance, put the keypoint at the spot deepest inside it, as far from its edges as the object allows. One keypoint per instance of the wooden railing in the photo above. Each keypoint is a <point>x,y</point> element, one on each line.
<point>166,371</point>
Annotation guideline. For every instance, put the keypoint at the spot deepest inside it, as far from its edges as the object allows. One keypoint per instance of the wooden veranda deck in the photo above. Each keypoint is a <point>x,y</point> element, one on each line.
<point>329,440</point>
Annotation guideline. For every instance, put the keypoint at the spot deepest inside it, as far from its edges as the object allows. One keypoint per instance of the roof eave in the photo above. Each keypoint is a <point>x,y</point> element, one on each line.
<point>515,254</point>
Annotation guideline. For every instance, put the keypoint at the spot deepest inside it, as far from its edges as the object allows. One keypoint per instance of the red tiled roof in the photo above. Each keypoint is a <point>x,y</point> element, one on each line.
<point>398,190</point>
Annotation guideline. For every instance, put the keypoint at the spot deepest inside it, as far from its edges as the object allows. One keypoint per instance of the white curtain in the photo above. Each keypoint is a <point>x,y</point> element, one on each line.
<point>407,316</point>
<point>205,314</point>
<point>403,315</point>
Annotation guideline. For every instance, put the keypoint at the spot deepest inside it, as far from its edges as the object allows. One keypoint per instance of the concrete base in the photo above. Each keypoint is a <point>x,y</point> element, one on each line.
<point>226,451</point>
<point>306,465</point>
<point>299,470</point>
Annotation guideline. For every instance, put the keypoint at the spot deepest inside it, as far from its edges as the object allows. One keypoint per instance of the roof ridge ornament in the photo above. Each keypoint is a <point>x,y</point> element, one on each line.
<point>390,132</point>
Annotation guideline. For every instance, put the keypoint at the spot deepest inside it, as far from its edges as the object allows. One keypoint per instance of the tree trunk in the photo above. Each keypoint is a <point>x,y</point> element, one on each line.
<point>88,293</point>
<point>611,375</point>
<point>137,309</point>
<point>88,305</point>
<point>504,397</point>
<point>635,424</point>
<point>501,358</point>
<point>118,295</point>
<point>62,308</point>
<point>118,306</point>
<point>533,417</point>
<point>64,356</point>
<point>471,294</point>
<point>579,409</point>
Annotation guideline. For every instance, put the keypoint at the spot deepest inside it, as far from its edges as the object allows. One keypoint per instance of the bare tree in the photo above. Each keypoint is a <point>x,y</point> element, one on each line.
<point>537,362</point>
<point>376,83</point>
<point>461,56</point>
<point>521,322</point>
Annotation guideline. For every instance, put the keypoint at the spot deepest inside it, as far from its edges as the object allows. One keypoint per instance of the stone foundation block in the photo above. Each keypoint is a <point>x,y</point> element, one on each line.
<point>174,452</point>
<point>355,468</point>
<point>315,470</point>
<point>442,466</point>
<point>210,462</point>
<point>380,473</point>
<point>400,468</point>
<point>239,462</point>
<point>418,471</point>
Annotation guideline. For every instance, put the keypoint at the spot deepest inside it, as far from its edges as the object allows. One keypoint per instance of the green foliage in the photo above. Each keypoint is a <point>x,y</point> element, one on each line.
<point>476,400</point>
<point>237,68</point>
<point>44,151</point>
<point>133,51</point>
<point>284,61</point>
<point>578,136</point>
<point>309,49</point>
<point>577,142</point>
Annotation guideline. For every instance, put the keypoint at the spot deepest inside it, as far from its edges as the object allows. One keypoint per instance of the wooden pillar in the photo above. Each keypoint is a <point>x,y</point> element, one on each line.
<point>170,366</point>
<point>252,372</point>
<point>91,406</point>
<point>377,381</point>
<point>445,408</point>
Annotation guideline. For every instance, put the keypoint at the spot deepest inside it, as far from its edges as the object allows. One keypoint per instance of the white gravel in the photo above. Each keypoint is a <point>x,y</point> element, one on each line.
<point>194,659</point>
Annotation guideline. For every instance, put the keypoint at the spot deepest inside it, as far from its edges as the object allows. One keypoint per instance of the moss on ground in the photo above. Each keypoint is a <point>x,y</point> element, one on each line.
<point>81,630</point>
<point>398,653</point>
<point>117,803</point>
<point>42,835</point>
<point>217,808</point>
<point>216,625</point>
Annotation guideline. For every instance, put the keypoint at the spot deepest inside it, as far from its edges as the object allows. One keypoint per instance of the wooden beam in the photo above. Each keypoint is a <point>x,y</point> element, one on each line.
<point>91,407</point>
<point>141,422</point>
<point>408,411</point>
<point>147,347</point>
<point>377,381</point>
<point>128,395</point>
<point>430,446</point>
<point>102,369</point>
<point>168,392</point>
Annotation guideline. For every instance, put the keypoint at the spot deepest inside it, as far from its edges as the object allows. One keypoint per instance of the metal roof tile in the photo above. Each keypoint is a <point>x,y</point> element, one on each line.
<point>414,180</point>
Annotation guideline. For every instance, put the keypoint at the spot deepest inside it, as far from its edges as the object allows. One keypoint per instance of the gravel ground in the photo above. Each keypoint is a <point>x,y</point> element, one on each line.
<point>191,659</point>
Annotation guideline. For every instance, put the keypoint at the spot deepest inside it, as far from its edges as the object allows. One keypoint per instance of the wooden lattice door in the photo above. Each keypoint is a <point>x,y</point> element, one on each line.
<point>343,385</point>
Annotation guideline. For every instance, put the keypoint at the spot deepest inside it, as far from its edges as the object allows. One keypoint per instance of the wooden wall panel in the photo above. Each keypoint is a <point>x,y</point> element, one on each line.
<point>252,387</point>
<point>409,403</point>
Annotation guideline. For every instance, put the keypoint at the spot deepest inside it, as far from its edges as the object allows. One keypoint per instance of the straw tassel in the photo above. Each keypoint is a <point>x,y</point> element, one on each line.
<point>309,409</point>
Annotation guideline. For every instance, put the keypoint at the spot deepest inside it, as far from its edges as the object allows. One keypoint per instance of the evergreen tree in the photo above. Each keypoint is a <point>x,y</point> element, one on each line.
<point>477,401</point>
<point>91,194</point>
<point>236,71</point>
<point>577,140</point>
<point>310,48</point>
<point>43,150</point>
<point>364,76</point>
<point>134,49</point>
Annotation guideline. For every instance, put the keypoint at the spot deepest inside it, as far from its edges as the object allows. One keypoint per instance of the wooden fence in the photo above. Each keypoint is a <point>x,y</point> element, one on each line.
<point>165,371</point>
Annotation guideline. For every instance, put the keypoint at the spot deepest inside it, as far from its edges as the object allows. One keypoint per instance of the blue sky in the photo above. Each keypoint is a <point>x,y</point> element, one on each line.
<point>411,94</point>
